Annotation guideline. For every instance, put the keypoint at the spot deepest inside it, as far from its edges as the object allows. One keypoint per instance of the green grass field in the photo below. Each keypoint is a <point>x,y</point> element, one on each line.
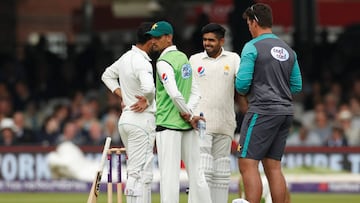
<point>82,197</point>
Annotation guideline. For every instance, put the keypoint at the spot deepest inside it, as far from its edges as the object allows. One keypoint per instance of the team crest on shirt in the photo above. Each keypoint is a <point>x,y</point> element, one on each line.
<point>239,148</point>
<point>164,78</point>
<point>280,53</point>
<point>226,70</point>
<point>201,71</point>
<point>186,71</point>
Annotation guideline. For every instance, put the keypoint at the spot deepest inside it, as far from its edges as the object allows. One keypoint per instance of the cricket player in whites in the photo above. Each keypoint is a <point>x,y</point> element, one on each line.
<point>176,139</point>
<point>131,78</point>
<point>215,70</point>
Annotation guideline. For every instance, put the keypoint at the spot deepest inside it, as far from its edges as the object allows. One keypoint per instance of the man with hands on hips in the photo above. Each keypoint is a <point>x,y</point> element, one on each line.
<point>131,78</point>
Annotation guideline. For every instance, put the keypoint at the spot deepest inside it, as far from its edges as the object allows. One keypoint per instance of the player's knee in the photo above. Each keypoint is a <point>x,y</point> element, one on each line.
<point>206,162</point>
<point>146,177</point>
<point>133,186</point>
<point>222,171</point>
<point>222,166</point>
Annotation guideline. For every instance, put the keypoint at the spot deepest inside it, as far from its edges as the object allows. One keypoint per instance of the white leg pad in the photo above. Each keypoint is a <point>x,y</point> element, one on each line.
<point>146,180</point>
<point>221,179</point>
<point>206,164</point>
<point>133,187</point>
<point>139,190</point>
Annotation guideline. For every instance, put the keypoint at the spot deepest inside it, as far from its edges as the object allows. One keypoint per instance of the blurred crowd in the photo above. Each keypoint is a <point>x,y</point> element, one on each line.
<point>333,119</point>
<point>46,99</point>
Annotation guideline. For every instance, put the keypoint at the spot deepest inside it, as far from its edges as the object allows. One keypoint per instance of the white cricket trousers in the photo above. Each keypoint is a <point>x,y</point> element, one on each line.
<point>172,147</point>
<point>137,131</point>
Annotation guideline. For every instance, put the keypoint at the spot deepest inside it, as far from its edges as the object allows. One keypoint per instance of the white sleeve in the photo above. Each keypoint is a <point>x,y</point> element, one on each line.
<point>195,95</point>
<point>147,85</point>
<point>237,63</point>
<point>110,77</point>
<point>167,76</point>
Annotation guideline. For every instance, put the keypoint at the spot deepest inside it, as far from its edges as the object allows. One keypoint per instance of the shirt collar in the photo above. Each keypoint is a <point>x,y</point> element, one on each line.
<point>223,53</point>
<point>167,49</point>
<point>142,52</point>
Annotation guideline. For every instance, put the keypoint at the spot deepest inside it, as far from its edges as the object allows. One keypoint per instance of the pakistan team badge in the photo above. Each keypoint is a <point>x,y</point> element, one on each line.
<point>186,71</point>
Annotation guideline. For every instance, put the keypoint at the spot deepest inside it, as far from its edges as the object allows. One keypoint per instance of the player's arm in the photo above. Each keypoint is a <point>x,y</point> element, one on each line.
<point>195,94</point>
<point>147,87</point>
<point>244,75</point>
<point>110,77</point>
<point>117,91</point>
<point>170,86</point>
<point>295,78</point>
<point>240,100</point>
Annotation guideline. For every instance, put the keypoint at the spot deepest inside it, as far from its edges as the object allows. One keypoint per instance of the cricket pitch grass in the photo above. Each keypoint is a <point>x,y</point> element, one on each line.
<point>82,197</point>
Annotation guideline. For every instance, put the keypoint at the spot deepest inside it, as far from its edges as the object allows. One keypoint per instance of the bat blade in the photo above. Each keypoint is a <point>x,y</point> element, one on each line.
<point>95,188</point>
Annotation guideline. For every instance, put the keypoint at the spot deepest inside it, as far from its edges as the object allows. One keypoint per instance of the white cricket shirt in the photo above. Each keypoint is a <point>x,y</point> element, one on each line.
<point>216,79</point>
<point>133,73</point>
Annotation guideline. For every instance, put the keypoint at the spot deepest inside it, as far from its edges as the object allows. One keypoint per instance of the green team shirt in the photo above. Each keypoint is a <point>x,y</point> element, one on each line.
<point>167,114</point>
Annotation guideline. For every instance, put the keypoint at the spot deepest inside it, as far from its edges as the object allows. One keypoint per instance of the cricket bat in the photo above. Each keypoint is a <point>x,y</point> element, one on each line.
<point>94,192</point>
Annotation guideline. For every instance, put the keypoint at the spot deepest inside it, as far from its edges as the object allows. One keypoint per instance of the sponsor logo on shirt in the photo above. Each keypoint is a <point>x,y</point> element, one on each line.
<point>186,71</point>
<point>280,53</point>
<point>164,78</point>
<point>201,71</point>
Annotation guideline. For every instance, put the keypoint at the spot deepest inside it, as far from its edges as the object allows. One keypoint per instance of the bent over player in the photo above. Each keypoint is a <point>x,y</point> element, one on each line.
<point>269,73</point>
<point>137,122</point>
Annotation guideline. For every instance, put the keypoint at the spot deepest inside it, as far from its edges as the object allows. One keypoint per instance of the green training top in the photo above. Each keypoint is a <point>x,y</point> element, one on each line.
<point>167,114</point>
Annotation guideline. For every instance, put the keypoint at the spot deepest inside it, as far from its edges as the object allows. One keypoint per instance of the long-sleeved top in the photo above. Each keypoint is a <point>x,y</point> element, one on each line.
<point>133,73</point>
<point>175,91</point>
<point>216,78</point>
<point>164,68</point>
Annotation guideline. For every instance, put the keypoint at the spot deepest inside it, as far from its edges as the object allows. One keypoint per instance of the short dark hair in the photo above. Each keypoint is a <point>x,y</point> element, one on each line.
<point>215,28</point>
<point>141,35</point>
<point>261,13</point>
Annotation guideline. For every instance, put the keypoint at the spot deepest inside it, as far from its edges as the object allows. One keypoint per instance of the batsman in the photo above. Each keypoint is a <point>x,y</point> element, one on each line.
<point>215,69</point>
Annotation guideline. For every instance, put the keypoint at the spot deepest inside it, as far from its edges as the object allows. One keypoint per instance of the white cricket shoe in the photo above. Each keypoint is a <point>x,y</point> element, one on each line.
<point>239,200</point>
